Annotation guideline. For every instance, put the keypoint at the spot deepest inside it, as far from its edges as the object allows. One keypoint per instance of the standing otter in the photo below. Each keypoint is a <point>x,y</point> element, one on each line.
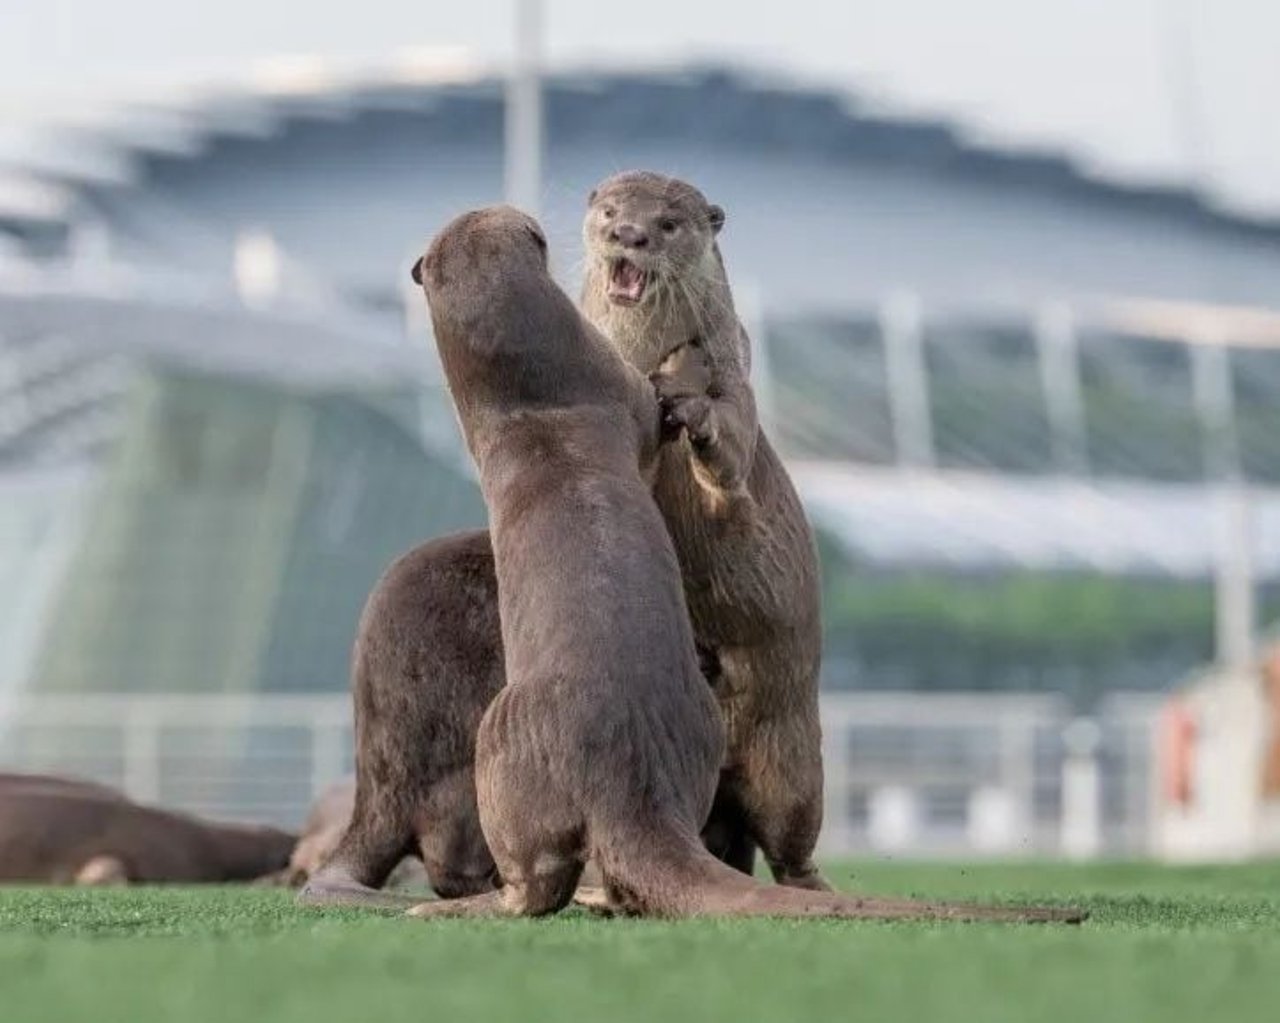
<point>654,276</point>
<point>69,832</point>
<point>428,656</point>
<point>606,742</point>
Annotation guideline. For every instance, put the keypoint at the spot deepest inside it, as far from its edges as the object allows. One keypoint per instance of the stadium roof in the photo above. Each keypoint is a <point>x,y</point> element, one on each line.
<point>711,105</point>
<point>66,358</point>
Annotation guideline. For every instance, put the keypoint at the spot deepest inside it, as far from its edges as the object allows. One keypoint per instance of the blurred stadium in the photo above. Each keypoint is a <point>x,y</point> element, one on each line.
<point>1034,413</point>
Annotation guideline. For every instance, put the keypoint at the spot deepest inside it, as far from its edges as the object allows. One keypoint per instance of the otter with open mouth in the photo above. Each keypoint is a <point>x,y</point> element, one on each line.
<point>606,743</point>
<point>655,276</point>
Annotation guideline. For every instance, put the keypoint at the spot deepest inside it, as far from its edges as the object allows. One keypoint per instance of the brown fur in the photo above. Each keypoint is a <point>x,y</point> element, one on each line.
<point>326,823</point>
<point>746,551</point>
<point>427,663</point>
<point>62,831</point>
<point>428,655</point>
<point>606,742</point>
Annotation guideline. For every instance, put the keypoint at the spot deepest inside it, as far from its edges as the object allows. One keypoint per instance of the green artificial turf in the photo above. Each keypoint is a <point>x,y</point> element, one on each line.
<point>1198,944</point>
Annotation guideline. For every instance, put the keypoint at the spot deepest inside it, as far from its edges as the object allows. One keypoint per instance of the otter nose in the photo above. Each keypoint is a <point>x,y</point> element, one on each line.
<point>629,236</point>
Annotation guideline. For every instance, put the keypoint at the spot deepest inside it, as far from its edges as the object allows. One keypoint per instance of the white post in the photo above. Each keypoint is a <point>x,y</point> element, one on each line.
<point>142,755</point>
<point>837,835</point>
<point>257,267</point>
<point>1059,358</point>
<point>1081,791</point>
<point>759,356</point>
<point>1214,392</point>
<point>992,820</point>
<point>327,765</point>
<point>894,818</point>
<point>524,111</point>
<point>1235,608</point>
<point>908,380</point>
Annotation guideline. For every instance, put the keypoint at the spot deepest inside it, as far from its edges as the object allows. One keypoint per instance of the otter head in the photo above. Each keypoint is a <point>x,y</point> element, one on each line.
<point>481,241</point>
<point>644,230</point>
<point>481,259</point>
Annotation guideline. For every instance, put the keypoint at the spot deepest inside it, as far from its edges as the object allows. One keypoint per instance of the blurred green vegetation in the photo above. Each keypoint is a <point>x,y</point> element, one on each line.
<point>1075,633</point>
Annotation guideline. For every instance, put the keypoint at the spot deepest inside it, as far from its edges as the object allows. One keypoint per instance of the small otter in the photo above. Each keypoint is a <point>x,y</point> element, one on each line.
<point>606,742</point>
<point>427,663</point>
<point>63,831</point>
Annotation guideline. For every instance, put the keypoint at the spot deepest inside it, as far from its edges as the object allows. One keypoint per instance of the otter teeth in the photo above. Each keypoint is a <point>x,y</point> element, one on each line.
<point>627,282</point>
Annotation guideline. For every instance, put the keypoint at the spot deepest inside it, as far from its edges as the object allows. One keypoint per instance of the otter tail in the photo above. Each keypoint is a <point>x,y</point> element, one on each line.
<point>662,872</point>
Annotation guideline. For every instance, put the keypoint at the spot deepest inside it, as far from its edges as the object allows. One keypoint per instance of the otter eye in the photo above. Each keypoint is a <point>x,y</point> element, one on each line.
<point>608,212</point>
<point>668,225</point>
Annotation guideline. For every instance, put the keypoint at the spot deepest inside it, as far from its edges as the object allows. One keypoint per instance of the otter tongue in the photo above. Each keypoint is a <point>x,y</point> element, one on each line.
<point>627,281</point>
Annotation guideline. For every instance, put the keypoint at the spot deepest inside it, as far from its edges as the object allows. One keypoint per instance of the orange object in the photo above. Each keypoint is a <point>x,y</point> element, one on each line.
<point>1177,752</point>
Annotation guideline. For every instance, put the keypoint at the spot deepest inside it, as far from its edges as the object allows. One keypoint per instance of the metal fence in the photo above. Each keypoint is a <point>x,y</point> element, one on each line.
<point>910,774</point>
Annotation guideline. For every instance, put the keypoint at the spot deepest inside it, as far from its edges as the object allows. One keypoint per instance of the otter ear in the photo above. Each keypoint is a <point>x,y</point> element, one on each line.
<point>715,217</point>
<point>591,199</point>
<point>416,272</point>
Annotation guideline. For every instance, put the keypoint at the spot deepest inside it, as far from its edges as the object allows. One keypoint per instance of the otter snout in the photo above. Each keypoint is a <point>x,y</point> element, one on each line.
<point>629,236</point>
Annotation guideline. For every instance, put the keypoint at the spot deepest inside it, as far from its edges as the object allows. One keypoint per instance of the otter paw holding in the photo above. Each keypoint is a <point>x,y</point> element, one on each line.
<point>683,386</point>
<point>695,416</point>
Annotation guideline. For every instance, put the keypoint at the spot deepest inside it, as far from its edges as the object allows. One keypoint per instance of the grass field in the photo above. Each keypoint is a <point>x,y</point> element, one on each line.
<point>1163,944</point>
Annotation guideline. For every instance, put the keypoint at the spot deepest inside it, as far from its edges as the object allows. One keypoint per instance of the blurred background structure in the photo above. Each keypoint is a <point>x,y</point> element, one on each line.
<point>1033,409</point>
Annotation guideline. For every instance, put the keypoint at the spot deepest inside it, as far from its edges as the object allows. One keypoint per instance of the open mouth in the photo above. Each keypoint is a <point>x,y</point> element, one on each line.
<point>626,282</point>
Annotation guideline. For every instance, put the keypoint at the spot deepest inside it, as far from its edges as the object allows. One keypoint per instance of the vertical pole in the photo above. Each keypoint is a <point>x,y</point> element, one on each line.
<point>1234,597</point>
<point>1059,358</point>
<point>1214,395</point>
<point>1234,603</point>
<point>327,764</point>
<point>142,754</point>
<point>1081,790</point>
<point>751,314</point>
<point>523,142</point>
<point>908,379</point>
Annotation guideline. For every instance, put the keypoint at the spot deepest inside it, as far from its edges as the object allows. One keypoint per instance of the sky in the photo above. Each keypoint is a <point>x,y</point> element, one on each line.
<point>1155,89</point>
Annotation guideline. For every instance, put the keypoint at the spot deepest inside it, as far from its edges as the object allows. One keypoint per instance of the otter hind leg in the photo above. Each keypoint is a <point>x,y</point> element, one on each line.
<point>543,893</point>
<point>450,842</point>
<point>780,792</point>
<point>373,845</point>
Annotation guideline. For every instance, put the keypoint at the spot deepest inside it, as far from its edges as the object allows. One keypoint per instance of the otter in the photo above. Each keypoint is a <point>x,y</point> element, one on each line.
<point>654,274</point>
<point>606,742</point>
<point>428,656</point>
<point>326,823</point>
<point>63,831</point>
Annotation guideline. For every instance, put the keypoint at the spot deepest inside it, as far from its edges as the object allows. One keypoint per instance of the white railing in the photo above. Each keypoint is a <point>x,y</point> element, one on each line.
<point>906,773</point>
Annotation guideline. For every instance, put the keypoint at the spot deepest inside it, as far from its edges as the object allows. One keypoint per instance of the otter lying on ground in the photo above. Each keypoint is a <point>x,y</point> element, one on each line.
<point>61,831</point>
<point>606,743</point>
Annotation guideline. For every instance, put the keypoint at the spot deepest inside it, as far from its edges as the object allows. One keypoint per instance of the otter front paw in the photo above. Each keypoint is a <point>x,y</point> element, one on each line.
<point>682,384</point>
<point>695,415</point>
